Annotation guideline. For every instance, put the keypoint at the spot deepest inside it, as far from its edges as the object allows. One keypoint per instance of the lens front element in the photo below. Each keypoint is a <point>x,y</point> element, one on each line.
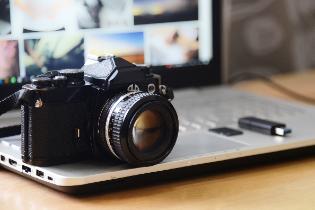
<point>147,130</point>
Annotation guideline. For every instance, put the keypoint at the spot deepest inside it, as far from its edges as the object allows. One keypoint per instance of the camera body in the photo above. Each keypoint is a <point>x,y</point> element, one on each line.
<point>109,108</point>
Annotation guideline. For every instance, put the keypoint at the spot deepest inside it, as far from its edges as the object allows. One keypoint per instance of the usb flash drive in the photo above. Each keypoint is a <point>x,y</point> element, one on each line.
<point>264,126</point>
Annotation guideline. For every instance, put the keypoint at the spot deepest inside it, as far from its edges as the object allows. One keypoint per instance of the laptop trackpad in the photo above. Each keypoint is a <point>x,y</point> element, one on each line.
<point>194,144</point>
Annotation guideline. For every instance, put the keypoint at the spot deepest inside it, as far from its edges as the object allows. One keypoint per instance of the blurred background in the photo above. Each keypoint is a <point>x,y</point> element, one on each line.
<point>265,36</point>
<point>269,36</point>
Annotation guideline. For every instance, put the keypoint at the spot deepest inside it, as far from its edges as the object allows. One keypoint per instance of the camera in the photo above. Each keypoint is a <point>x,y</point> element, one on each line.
<point>108,109</point>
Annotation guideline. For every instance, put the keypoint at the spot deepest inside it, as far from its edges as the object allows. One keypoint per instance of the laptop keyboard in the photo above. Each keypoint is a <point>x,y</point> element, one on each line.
<point>12,141</point>
<point>225,110</point>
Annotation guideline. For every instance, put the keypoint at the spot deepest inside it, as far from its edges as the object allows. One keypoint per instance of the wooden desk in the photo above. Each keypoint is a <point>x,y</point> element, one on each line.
<point>284,185</point>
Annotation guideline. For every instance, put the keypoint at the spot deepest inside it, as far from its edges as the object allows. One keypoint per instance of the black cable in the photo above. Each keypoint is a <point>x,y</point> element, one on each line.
<point>9,102</point>
<point>6,105</point>
<point>10,131</point>
<point>238,77</point>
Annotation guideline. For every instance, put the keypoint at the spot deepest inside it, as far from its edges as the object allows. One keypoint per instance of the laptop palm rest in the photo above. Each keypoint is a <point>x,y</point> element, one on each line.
<point>188,147</point>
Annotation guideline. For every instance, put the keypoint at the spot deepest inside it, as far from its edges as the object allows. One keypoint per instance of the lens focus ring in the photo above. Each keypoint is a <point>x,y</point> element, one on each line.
<point>139,128</point>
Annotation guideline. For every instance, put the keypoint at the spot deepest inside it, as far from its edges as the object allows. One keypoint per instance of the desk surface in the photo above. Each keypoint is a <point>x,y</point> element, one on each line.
<point>283,185</point>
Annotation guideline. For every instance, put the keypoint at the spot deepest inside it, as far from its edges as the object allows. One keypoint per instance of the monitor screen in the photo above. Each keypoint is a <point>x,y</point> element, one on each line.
<point>37,36</point>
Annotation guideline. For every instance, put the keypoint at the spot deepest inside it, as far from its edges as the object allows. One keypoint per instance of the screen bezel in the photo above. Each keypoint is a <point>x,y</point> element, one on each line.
<point>180,77</point>
<point>200,75</point>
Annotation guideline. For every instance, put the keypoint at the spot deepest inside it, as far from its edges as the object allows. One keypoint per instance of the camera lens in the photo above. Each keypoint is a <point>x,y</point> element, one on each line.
<point>138,128</point>
<point>147,130</point>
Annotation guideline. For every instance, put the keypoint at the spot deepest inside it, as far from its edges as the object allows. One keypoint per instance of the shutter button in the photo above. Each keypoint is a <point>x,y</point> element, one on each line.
<point>42,82</point>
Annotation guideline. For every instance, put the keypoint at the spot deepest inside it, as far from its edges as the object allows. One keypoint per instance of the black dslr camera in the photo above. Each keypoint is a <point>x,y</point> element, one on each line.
<point>110,108</point>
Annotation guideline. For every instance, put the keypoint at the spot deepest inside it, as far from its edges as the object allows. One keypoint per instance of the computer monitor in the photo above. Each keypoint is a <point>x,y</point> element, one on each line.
<point>178,38</point>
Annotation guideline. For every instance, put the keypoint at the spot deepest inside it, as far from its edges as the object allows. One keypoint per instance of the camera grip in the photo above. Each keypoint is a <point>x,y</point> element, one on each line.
<point>55,133</point>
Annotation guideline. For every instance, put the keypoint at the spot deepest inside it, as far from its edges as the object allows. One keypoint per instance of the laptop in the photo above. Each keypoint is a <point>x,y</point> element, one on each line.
<point>181,40</point>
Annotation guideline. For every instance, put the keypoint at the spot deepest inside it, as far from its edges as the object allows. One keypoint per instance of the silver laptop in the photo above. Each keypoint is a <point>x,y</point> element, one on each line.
<point>183,45</point>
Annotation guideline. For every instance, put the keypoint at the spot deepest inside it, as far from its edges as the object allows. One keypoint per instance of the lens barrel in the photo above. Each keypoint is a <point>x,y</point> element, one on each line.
<point>138,127</point>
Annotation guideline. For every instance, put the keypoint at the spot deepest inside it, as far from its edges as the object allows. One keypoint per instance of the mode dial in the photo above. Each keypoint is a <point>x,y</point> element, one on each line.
<point>74,76</point>
<point>41,82</point>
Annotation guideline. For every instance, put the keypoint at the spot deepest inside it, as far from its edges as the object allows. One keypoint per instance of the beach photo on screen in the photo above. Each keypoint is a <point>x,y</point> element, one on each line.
<point>9,59</point>
<point>173,45</point>
<point>5,20</point>
<point>103,13</point>
<point>130,46</point>
<point>161,11</point>
<point>53,52</point>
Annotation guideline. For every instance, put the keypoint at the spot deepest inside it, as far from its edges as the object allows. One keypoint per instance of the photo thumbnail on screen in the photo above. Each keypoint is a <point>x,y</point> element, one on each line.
<point>129,46</point>
<point>9,59</point>
<point>103,13</point>
<point>53,52</point>
<point>174,45</point>
<point>5,20</point>
<point>44,15</point>
<point>160,11</point>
